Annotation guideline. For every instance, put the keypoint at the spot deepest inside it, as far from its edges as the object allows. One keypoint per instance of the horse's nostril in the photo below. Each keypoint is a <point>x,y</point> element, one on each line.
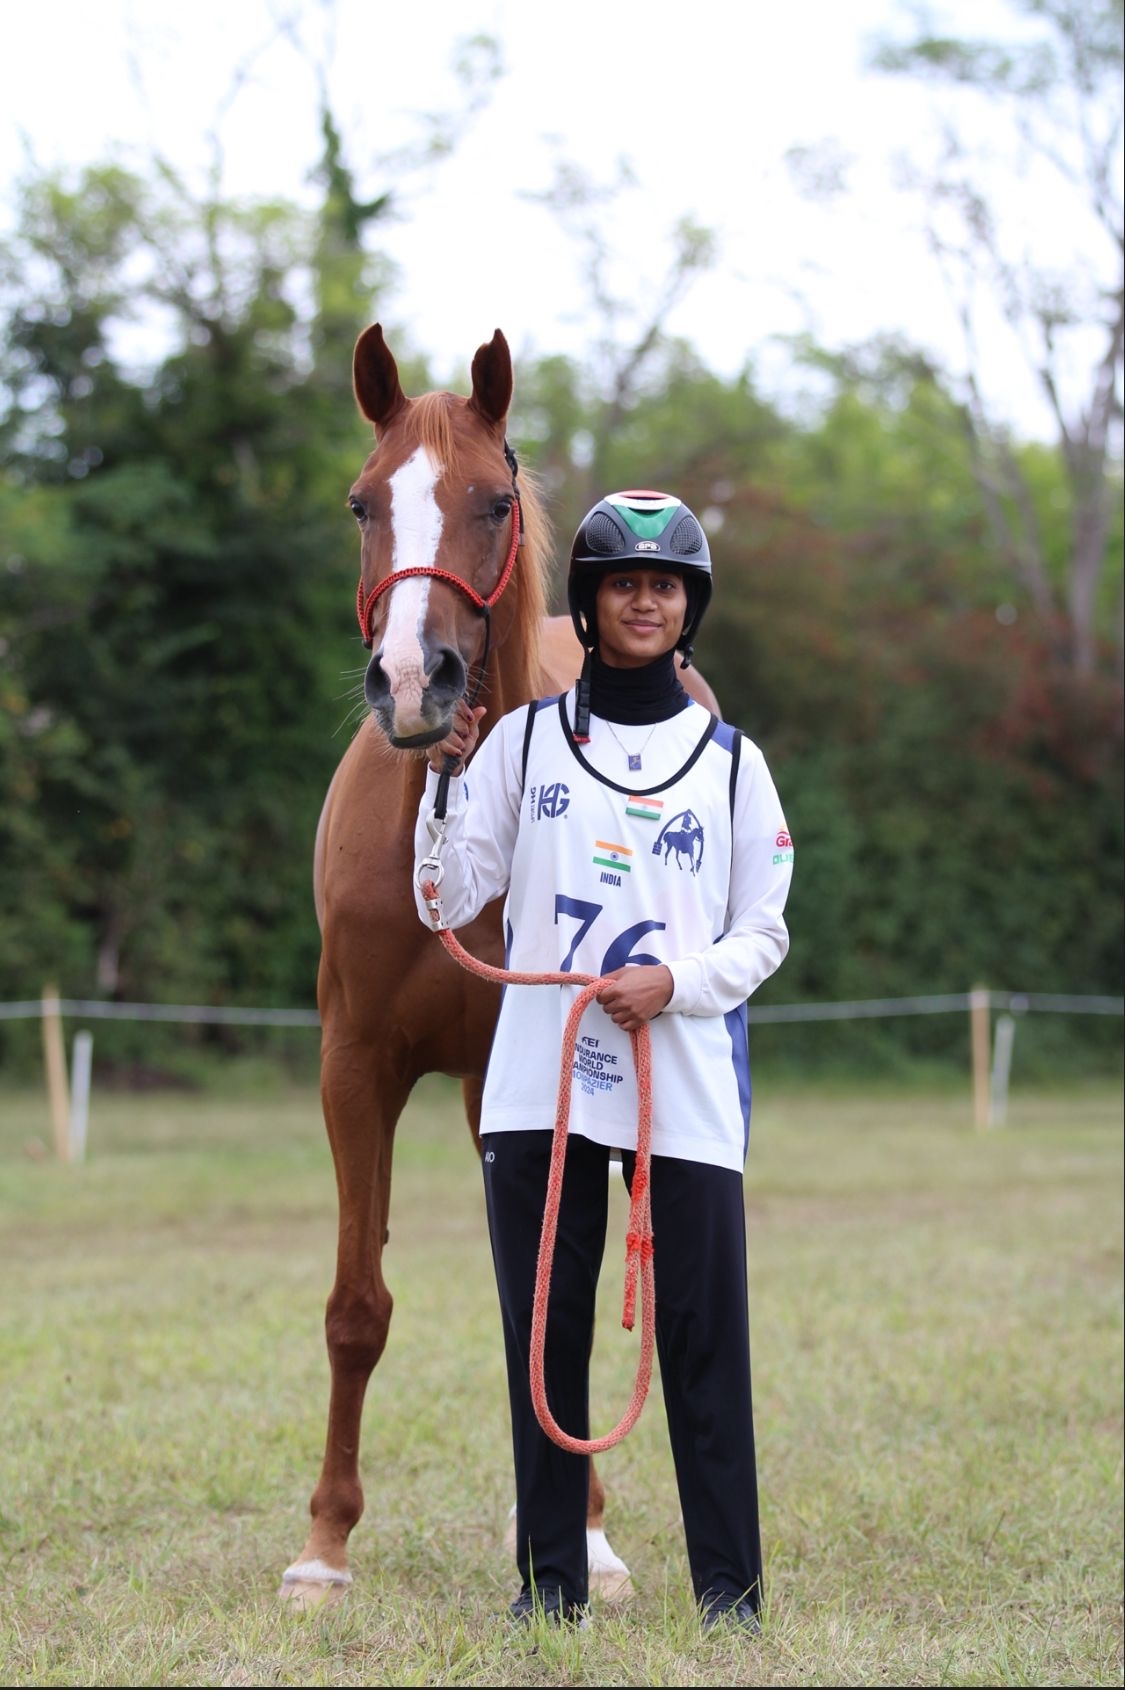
<point>376,687</point>
<point>446,679</point>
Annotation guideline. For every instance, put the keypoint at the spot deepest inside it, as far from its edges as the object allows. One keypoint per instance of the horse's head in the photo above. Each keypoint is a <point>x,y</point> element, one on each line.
<point>439,518</point>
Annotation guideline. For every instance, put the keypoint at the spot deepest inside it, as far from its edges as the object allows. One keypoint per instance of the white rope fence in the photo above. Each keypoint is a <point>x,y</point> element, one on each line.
<point>196,1014</point>
<point>857,1009</point>
<point>1016,1003</point>
<point>69,1095</point>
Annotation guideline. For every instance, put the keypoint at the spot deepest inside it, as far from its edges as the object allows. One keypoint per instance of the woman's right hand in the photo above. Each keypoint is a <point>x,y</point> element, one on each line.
<point>460,742</point>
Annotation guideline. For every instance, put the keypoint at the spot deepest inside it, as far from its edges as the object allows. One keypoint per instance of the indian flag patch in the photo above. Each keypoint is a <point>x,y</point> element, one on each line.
<point>648,809</point>
<point>609,855</point>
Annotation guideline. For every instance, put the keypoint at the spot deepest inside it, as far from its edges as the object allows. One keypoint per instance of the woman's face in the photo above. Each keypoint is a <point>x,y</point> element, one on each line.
<point>640,615</point>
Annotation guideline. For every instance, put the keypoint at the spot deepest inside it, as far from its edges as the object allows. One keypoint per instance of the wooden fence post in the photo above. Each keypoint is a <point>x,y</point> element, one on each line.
<point>54,1060</point>
<point>980,1040</point>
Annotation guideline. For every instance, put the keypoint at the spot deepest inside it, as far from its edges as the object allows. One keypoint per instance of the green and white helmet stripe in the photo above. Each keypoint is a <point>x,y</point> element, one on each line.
<point>647,514</point>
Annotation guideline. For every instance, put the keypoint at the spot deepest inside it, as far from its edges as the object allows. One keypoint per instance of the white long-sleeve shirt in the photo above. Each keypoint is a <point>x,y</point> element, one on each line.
<point>686,862</point>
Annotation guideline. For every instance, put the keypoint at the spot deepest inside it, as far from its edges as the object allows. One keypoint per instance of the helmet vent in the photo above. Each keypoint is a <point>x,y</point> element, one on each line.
<point>687,537</point>
<point>603,536</point>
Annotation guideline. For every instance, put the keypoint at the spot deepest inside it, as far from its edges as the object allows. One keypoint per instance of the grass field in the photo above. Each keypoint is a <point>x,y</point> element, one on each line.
<point>937,1331</point>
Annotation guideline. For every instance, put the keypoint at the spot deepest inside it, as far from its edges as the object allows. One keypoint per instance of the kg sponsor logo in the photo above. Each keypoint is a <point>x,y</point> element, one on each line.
<point>549,801</point>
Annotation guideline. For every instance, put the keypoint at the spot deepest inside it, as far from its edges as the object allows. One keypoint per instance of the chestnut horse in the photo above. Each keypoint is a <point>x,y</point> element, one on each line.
<point>442,509</point>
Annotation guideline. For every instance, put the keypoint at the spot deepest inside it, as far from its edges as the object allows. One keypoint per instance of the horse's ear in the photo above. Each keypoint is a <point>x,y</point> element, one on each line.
<point>492,380</point>
<point>375,375</point>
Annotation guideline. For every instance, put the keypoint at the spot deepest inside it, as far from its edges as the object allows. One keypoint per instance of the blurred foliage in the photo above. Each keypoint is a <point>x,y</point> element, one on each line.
<point>179,653</point>
<point>1059,88</point>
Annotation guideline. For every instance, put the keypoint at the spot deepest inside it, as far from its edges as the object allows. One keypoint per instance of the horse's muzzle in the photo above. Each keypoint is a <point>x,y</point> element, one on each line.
<point>416,715</point>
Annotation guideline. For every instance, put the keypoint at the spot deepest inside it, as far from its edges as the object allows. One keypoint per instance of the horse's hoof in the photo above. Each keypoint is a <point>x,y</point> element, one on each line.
<point>612,1587</point>
<point>314,1584</point>
<point>610,1579</point>
<point>303,1595</point>
<point>609,1576</point>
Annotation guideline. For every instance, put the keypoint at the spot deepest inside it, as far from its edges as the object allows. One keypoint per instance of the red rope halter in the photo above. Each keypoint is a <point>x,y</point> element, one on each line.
<point>638,1238</point>
<point>363,608</point>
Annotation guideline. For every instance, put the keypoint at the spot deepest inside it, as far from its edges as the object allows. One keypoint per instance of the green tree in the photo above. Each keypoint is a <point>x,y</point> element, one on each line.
<point>955,792</point>
<point>1061,84</point>
<point>180,571</point>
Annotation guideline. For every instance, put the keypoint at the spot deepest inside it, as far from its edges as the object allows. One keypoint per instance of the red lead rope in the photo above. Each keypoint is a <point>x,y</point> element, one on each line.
<point>638,1239</point>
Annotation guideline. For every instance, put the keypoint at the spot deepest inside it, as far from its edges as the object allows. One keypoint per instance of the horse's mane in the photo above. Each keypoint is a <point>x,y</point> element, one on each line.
<point>533,567</point>
<point>430,420</point>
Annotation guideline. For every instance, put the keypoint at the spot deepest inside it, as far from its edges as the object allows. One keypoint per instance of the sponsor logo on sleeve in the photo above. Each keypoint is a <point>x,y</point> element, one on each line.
<point>783,847</point>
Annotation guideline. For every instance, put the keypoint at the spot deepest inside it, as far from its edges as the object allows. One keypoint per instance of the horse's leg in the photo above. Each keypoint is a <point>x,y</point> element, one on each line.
<point>362,1103</point>
<point>609,1576</point>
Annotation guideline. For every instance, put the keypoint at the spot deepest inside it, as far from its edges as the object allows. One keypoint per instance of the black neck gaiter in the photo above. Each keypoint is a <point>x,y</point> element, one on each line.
<point>652,693</point>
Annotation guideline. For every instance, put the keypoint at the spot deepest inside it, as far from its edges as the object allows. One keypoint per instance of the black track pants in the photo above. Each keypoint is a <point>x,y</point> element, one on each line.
<point>699,1229</point>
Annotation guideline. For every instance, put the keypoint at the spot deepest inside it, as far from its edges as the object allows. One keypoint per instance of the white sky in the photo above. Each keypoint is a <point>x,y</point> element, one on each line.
<point>703,97</point>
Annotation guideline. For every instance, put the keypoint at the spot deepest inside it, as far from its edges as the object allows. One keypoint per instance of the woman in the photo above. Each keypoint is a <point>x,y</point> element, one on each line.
<point>638,838</point>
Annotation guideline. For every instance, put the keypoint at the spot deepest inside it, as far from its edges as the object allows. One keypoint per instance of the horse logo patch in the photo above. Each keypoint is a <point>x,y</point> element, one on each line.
<point>682,834</point>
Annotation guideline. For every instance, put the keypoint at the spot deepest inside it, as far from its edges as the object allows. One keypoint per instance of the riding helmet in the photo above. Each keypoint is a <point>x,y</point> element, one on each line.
<point>646,529</point>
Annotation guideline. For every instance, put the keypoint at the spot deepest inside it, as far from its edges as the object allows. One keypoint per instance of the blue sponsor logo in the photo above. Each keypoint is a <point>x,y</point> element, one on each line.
<point>549,802</point>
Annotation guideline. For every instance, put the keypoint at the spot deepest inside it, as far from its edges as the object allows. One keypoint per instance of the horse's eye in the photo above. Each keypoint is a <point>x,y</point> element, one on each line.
<point>501,509</point>
<point>358,509</point>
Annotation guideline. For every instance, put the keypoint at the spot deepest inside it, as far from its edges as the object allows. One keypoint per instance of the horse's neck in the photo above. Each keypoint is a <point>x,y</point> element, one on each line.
<point>513,679</point>
<point>560,657</point>
<point>396,779</point>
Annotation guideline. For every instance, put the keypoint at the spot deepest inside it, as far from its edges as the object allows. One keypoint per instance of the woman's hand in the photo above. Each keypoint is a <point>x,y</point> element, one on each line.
<point>636,994</point>
<point>460,741</point>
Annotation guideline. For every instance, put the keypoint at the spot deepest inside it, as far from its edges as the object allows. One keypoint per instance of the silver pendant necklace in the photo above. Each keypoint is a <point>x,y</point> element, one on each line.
<point>634,756</point>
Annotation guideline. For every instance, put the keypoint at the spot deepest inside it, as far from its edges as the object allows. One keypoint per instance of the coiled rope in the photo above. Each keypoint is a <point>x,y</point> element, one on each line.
<point>638,1238</point>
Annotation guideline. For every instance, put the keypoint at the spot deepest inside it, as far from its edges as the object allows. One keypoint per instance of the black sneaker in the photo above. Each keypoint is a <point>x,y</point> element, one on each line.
<point>547,1605</point>
<point>732,1613</point>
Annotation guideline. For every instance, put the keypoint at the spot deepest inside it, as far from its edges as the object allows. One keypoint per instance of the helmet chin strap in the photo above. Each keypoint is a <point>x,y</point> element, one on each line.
<point>582,700</point>
<point>653,692</point>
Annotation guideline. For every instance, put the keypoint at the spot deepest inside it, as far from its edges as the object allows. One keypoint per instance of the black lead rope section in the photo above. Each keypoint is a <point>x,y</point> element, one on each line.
<point>449,765</point>
<point>441,802</point>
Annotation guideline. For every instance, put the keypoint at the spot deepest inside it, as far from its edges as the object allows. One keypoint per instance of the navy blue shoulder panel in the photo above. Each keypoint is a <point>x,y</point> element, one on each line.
<point>730,738</point>
<point>533,710</point>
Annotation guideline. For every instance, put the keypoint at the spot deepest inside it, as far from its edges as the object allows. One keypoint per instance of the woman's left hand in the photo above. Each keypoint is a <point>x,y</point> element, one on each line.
<point>636,994</point>
<point>461,739</point>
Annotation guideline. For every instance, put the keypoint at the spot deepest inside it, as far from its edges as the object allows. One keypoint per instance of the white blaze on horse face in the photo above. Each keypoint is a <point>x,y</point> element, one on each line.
<point>416,533</point>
